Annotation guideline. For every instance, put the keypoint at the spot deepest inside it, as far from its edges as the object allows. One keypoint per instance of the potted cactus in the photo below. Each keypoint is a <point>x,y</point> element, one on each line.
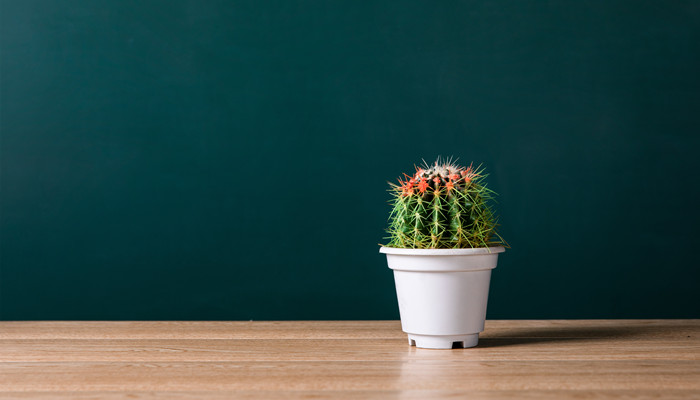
<point>442,247</point>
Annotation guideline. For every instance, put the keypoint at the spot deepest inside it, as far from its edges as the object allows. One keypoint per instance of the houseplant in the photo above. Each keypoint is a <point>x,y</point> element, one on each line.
<point>443,246</point>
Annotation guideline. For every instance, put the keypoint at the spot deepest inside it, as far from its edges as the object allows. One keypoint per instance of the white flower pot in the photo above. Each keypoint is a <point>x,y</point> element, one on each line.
<point>442,293</point>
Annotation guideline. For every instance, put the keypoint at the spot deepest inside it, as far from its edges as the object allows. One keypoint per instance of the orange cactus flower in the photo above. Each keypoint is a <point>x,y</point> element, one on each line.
<point>454,177</point>
<point>468,174</point>
<point>409,178</point>
<point>406,188</point>
<point>423,185</point>
<point>449,185</point>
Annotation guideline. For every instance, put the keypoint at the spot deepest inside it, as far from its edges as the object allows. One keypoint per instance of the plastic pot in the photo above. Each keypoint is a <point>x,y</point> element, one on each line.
<point>442,293</point>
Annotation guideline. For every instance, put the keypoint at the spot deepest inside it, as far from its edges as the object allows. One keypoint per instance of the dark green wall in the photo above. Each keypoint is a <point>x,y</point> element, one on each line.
<point>188,159</point>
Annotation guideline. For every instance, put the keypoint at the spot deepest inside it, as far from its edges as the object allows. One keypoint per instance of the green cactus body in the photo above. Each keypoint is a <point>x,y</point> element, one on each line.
<point>443,206</point>
<point>457,219</point>
<point>438,220</point>
<point>419,218</point>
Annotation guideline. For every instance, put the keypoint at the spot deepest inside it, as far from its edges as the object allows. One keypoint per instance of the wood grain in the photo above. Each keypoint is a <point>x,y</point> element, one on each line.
<point>574,329</point>
<point>361,395</point>
<point>227,350</point>
<point>609,359</point>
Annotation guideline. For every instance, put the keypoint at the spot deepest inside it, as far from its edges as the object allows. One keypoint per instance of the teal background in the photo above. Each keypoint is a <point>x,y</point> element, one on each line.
<point>191,159</point>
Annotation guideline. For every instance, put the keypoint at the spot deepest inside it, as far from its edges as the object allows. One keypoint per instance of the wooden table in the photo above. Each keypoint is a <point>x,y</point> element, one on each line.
<point>617,359</point>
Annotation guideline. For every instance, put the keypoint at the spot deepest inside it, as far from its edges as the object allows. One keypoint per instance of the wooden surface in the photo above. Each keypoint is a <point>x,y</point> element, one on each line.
<point>608,359</point>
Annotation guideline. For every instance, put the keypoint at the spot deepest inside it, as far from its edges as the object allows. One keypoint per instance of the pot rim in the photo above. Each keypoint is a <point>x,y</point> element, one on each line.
<point>443,252</point>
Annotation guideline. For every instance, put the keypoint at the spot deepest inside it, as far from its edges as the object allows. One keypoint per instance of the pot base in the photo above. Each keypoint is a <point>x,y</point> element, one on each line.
<point>443,342</point>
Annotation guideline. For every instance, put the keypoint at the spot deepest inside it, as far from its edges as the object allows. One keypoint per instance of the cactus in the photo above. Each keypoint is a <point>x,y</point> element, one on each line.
<point>443,206</point>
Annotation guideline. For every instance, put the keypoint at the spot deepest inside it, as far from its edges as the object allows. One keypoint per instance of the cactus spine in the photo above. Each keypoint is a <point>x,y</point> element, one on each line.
<point>443,206</point>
